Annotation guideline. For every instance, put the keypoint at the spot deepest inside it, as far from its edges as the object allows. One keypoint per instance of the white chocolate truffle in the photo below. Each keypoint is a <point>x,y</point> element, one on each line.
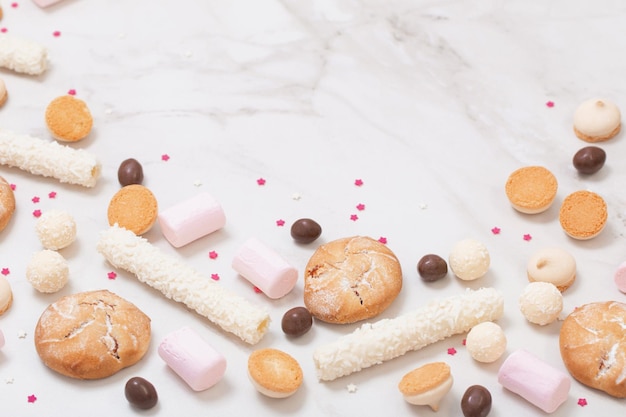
<point>56,229</point>
<point>486,342</point>
<point>47,271</point>
<point>553,265</point>
<point>469,259</point>
<point>541,303</point>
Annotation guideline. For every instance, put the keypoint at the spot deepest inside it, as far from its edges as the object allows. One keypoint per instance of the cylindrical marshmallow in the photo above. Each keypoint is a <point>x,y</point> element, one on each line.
<point>264,268</point>
<point>534,380</point>
<point>22,55</point>
<point>192,358</point>
<point>191,219</point>
<point>620,277</point>
<point>39,157</point>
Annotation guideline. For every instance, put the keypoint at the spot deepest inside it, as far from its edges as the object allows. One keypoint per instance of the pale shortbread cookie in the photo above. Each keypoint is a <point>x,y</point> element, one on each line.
<point>7,203</point>
<point>56,229</point>
<point>597,120</point>
<point>469,259</point>
<point>553,265</point>
<point>427,385</point>
<point>486,342</point>
<point>593,347</point>
<point>351,279</point>
<point>541,303</point>
<point>91,335</point>
<point>47,271</point>
<point>531,189</point>
<point>583,215</point>
<point>274,373</point>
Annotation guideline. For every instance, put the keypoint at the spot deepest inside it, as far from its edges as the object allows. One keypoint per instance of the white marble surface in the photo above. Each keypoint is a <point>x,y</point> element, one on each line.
<point>431,103</point>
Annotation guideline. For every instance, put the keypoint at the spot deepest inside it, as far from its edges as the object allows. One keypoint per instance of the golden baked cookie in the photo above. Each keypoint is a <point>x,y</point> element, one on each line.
<point>426,385</point>
<point>274,373</point>
<point>531,189</point>
<point>583,215</point>
<point>91,335</point>
<point>7,203</point>
<point>4,95</point>
<point>68,118</point>
<point>351,279</point>
<point>133,207</point>
<point>593,346</point>
<point>6,295</point>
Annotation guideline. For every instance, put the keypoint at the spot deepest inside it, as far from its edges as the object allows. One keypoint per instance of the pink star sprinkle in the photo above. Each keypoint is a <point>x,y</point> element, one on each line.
<point>32,398</point>
<point>3,30</point>
<point>261,181</point>
<point>582,402</point>
<point>213,254</point>
<point>56,33</point>
<point>35,199</point>
<point>14,5</point>
<point>257,290</point>
<point>382,240</point>
<point>165,157</point>
<point>527,237</point>
<point>215,277</point>
<point>354,217</point>
<point>495,230</point>
<point>112,275</point>
<point>71,92</point>
<point>360,206</point>
<point>451,351</point>
<point>464,342</point>
<point>280,222</point>
<point>37,213</point>
<point>358,182</point>
<point>550,103</point>
<point>13,187</point>
<point>5,271</point>
<point>52,194</point>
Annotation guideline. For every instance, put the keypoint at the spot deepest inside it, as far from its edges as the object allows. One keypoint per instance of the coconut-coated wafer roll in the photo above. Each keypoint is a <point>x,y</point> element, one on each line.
<point>37,156</point>
<point>179,282</point>
<point>22,55</point>
<point>375,343</point>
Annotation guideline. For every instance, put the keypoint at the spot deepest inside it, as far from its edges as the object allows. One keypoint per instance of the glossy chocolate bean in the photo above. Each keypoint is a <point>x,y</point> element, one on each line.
<point>297,321</point>
<point>140,393</point>
<point>130,172</point>
<point>589,159</point>
<point>432,267</point>
<point>476,401</point>
<point>305,230</point>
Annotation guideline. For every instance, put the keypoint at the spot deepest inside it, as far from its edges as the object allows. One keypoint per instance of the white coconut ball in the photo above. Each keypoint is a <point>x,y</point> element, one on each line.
<point>541,303</point>
<point>469,259</point>
<point>56,229</point>
<point>47,271</point>
<point>486,342</point>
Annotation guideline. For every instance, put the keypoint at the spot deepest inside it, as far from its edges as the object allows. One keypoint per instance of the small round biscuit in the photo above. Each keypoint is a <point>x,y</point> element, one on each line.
<point>469,259</point>
<point>7,203</point>
<point>47,271</point>
<point>91,335</point>
<point>56,229</point>
<point>486,342</point>
<point>541,303</point>
<point>597,120</point>
<point>274,373</point>
<point>583,215</point>
<point>351,279</point>
<point>68,119</point>
<point>531,189</point>
<point>553,265</point>
<point>134,208</point>
<point>426,385</point>
<point>593,346</point>
<point>6,295</point>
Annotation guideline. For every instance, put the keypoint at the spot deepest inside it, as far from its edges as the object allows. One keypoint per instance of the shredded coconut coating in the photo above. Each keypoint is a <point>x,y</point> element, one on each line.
<point>375,343</point>
<point>49,159</point>
<point>179,282</point>
<point>56,229</point>
<point>22,55</point>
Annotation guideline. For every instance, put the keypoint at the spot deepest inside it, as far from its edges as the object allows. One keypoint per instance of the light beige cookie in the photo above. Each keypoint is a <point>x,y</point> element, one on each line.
<point>134,208</point>
<point>426,385</point>
<point>91,335</point>
<point>68,119</point>
<point>597,120</point>
<point>274,373</point>
<point>593,346</point>
<point>7,203</point>
<point>351,279</point>
<point>553,265</point>
<point>531,189</point>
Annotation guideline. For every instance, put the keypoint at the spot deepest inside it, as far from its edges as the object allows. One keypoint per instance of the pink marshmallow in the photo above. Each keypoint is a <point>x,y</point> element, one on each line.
<point>620,277</point>
<point>193,359</point>
<point>265,268</point>
<point>534,380</point>
<point>46,3</point>
<point>191,219</point>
